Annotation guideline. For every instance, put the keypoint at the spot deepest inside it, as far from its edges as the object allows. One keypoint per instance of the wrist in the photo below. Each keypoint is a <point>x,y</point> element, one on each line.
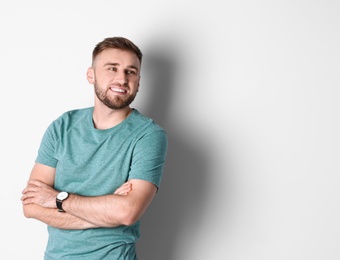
<point>61,197</point>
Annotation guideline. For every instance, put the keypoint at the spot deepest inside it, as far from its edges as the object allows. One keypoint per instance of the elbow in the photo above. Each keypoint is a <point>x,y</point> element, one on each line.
<point>130,217</point>
<point>28,211</point>
<point>129,220</point>
<point>126,217</point>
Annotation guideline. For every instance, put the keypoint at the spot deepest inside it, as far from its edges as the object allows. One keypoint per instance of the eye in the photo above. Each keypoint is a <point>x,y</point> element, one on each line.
<point>112,68</point>
<point>130,72</point>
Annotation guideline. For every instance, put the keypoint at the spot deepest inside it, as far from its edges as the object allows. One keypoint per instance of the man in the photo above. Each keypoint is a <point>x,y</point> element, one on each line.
<point>98,168</point>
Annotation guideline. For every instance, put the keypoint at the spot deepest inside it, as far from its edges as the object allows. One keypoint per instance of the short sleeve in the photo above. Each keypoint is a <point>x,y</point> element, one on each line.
<point>47,150</point>
<point>149,157</point>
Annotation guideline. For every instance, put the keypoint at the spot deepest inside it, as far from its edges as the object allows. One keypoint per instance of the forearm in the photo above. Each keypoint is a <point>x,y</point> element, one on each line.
<point>114,209</point>
<point>124,207</point>
<point>56,219</point>
<point>104,211</point>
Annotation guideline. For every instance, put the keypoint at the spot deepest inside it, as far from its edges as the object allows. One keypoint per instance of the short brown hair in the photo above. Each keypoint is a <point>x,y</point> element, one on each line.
<point>117,43</point>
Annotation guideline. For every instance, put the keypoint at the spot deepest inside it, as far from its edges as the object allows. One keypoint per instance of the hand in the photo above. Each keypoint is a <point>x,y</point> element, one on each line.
<point>37,192</point>
<point>124,189</point>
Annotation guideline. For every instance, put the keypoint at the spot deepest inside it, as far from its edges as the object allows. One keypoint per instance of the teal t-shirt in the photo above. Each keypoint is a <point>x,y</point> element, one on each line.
<point>92,162</point>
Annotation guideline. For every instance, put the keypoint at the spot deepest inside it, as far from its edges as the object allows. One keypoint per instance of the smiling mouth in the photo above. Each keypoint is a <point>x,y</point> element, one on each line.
<point>118,90</point>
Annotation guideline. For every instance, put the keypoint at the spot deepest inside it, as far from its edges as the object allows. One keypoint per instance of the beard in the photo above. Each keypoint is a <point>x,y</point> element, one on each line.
<point>115,102</point>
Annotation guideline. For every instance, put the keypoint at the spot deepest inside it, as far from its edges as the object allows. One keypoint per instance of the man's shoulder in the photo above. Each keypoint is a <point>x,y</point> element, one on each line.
<point>74,114</point>
<point>77,112</point>
<point>144,122</point>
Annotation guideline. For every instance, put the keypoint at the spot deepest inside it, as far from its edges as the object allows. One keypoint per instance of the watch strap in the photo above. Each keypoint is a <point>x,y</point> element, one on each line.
<point>60,205</point>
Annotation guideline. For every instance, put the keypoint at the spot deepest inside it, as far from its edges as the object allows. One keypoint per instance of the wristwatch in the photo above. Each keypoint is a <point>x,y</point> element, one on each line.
<point>60,198</point>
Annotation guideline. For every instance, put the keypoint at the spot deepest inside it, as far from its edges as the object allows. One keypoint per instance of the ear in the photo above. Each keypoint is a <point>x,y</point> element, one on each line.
<point>90,75</point>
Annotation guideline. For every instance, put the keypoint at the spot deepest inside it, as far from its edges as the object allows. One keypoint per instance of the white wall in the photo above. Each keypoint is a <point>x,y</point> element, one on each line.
<point>248,92</point>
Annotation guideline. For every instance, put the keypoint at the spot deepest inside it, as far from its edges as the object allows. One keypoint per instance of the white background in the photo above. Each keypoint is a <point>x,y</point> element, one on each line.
<point>248,92</point>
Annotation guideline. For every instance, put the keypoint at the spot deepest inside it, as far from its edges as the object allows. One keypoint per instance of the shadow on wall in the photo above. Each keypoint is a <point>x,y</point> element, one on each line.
<point>177,208</point>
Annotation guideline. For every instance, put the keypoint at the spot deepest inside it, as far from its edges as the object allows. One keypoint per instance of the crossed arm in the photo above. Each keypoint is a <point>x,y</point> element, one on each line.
<point>124,207</point>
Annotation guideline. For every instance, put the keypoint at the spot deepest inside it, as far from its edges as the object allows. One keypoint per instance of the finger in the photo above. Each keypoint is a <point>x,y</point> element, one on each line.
<point>27,195</point>
<point>27,189</point>
<point>123,190</point>
<point>30,188</point>
<point>119,191</point>
<point>122,193</point>
<point>125,184</point>
<point>28,201</point>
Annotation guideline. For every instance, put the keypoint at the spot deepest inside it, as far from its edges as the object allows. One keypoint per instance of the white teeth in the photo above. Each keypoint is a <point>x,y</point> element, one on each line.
<point>118,90</point>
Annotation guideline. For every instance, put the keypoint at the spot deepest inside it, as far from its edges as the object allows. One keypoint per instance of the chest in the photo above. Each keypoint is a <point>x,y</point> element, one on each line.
<point>93,166</point>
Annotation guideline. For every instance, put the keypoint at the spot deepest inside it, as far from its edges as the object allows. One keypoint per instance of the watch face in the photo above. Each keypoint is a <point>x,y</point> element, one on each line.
<point>62,195</point>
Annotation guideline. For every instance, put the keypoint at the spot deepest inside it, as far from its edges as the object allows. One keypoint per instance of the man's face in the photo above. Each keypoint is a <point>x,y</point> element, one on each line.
<point>115,75</point>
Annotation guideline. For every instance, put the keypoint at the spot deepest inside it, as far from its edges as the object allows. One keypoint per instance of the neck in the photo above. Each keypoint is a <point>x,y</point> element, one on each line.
<point>105,118</point>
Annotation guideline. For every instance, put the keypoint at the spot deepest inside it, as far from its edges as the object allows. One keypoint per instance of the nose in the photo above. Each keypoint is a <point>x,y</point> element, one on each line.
<point>121,79</point>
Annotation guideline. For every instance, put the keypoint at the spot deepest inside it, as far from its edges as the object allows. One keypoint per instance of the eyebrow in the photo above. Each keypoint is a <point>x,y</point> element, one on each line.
<point>117,64</point>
